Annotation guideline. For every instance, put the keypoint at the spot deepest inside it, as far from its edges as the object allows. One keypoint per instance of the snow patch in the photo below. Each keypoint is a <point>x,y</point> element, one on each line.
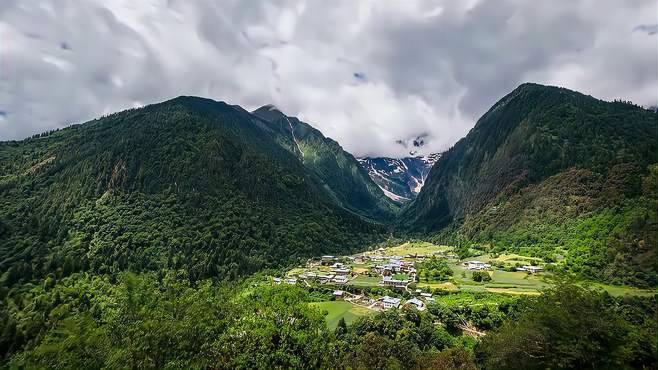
<point>393,196</point>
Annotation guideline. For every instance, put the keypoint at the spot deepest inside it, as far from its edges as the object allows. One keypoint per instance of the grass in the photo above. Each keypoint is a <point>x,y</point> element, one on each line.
<point>341,309</point>
<point>451,287</point>
<point>513,291</point>
<point>514,258</point>
<point>423,248</point>
<point>400,276</point>
<point>617,290</point>
<point>520,278</point>
<point>365,281</point>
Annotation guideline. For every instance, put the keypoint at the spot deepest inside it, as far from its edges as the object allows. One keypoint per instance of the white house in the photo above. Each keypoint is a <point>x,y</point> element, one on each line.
<point>338,293</point>
<point>341,279</point>
<point>533,269</point>
<point>476,265</point>
<point>341,271</point>
<point>291,281</point>
<point>390,302</point>
<point>426,295</point>
<point>417,303</point>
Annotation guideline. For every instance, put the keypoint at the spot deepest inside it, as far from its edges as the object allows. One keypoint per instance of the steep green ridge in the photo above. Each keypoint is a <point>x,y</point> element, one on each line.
<point>190,183</point>
<point>556,173</point>
<point>339,172</point>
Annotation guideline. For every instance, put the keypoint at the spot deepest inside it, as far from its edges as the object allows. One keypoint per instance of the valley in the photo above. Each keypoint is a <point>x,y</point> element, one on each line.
<point>418,274</point>
<point>196,234</point>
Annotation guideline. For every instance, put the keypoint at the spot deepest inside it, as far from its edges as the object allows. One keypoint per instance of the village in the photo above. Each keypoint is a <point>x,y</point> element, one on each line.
<point>388,278</point>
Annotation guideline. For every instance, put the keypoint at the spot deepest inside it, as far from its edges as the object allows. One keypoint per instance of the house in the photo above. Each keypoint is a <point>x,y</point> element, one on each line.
<point>341,271</point>
<point>276,281</point>
<point>338,293</point>
<point>476,265</point>
<point>325,278</point>
<point>341,279</point>
<point>419,291</point>
<point>533,269</point>
<point>291,281</point>
<point>387,280</point>
<point>389,302</point>
<point>426,295</point>
<point>328,258</point>
<point>416,303</point>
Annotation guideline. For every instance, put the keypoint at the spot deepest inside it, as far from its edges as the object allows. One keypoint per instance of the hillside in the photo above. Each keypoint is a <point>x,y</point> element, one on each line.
<point>337,170</point>
<point>556,173</point>
<point>400,178</point>
<point>189,183</point>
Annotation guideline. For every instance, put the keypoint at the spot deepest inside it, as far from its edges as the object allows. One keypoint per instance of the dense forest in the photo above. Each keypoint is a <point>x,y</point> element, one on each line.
<point>553,173</point>
<point>190,183</point>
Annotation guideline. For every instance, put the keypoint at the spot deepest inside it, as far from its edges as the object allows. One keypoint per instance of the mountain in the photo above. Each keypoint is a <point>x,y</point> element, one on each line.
<point>400,178</point>
<point>556,173</point>
<point>189,183</point>
<point>337,170</point>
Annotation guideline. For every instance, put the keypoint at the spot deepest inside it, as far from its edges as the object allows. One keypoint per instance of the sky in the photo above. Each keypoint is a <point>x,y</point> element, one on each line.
<point>374,75</point>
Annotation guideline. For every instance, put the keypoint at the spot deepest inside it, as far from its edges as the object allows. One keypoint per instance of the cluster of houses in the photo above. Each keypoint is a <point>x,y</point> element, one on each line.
<point>395,265</point>
<point>387,302</point>
<point>384,266</point>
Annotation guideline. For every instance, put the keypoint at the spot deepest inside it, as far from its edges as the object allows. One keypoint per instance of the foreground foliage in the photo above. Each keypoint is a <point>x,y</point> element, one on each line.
<point>165,321</point>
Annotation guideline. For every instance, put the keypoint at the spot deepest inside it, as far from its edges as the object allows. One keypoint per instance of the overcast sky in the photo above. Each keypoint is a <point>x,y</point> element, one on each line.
<point>366,73</point>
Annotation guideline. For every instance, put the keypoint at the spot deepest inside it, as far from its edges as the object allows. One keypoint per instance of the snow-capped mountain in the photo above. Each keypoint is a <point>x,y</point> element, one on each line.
<point>400,178</point>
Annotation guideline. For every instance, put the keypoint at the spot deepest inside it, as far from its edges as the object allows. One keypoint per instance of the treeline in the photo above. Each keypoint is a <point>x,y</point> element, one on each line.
<point>164,320</point>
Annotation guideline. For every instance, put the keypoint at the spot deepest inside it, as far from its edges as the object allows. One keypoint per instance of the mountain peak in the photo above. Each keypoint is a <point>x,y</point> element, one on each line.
<point>268,108</point>
<point>269,112</point>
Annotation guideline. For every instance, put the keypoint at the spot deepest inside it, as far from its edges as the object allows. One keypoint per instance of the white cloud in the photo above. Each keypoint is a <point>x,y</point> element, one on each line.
<point>366,73</point>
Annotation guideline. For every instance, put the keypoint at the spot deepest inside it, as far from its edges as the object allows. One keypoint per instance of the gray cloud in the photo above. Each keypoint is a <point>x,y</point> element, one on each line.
<point>367,73</point>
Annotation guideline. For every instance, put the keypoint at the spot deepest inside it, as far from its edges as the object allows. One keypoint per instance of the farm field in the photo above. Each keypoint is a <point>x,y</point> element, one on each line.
<point>617,290</point>
<point>365,281</point>
<point>341,309</point>
<point>423,248</point>
<point>451,287</point>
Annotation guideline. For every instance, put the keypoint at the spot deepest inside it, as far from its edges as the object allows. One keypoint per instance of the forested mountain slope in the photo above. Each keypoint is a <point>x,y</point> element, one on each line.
<point>338,171</point>
<point>556,173</point>
<point>189,183</point>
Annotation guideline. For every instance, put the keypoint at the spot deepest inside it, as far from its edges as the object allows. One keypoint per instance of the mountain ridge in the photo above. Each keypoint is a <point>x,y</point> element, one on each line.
<point>542,169</point>
<point>188,183</point>
<point>337,169</point>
